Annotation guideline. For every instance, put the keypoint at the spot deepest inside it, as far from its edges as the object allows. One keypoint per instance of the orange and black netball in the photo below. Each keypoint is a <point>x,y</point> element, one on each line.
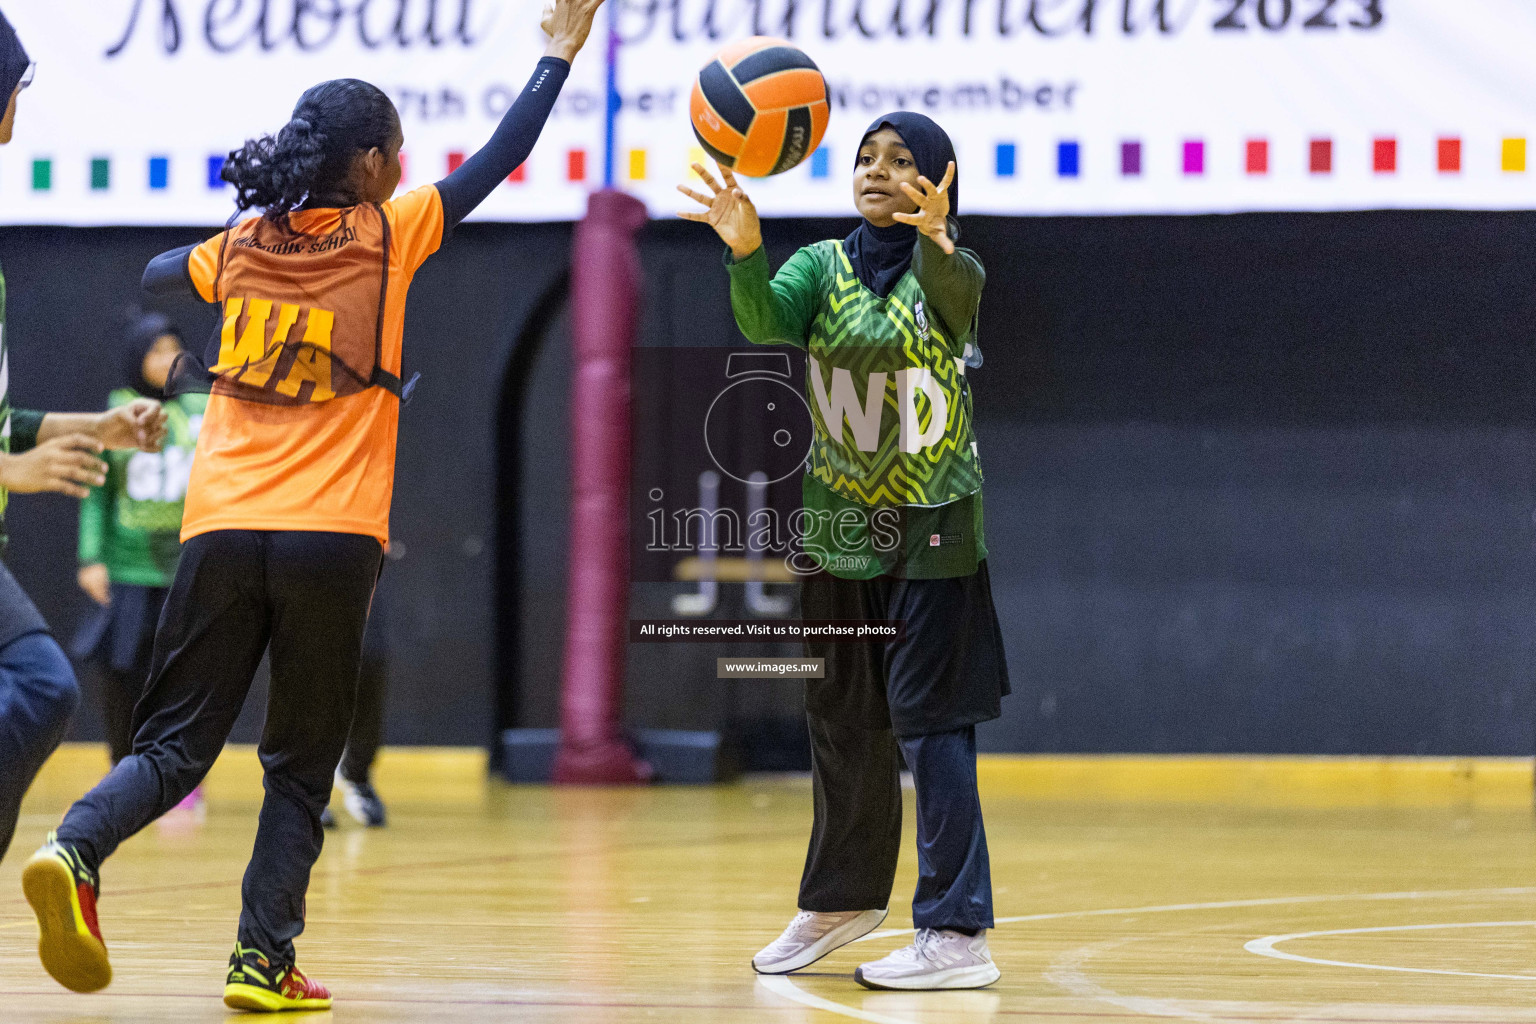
<point>759,107</point>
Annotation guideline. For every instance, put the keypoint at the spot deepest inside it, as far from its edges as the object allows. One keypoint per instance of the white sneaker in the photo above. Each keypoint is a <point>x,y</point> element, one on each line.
<point>812,935</point>
<point>937,958</point>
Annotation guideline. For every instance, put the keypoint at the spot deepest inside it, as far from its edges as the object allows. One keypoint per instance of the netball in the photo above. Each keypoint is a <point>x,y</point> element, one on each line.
<point>759,106</point>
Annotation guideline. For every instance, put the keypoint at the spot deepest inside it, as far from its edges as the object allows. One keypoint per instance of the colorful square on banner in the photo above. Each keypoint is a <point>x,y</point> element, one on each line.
<point>1007,159</point>
<point>159,172</point>
<point>1258,156</point>
<point>1194,157</point>
<point>42,174</point>
<point>1320,156</point>
<point>1448,155</point>
<point>455,160</point>
<point>519,174</point>
<point>101,174</point>
<point>1130,159</point>
<point>215,168</point>
<point>637,165</point>
<point>1068,157</point>
<point>1384,156</point>
<point>576,165</point>
<point>1512,158</point>
<point>821,163</point>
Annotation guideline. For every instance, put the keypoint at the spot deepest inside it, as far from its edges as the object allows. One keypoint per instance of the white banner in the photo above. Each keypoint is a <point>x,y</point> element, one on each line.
<point>1055,106</point>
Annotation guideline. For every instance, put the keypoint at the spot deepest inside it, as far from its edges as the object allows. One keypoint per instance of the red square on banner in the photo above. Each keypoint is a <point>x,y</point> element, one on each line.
<point>1321,156</point>
<point>576,165</point>
<point>520,175</point>
<point>1258,156</point>
<point>1448,154</point>
<point>1384,156</point>
<point>455,161</point>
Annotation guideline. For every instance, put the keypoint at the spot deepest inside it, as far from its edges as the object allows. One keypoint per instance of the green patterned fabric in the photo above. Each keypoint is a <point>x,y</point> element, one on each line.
<point>893,475</point>
<point>880,371</point>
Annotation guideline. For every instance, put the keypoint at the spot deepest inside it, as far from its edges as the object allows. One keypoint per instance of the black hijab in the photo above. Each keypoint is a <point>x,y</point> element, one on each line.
<point>144,329</point>
<point>13,60</point>
<point>880,256</point>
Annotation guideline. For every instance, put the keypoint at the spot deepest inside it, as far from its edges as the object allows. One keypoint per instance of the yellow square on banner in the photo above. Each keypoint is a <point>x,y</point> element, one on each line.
<point>637,165</point>
<point>695,156</point>
<point>1514,155</point>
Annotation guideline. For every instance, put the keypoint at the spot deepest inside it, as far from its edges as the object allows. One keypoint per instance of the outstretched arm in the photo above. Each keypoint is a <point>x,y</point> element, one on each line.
<point>468,187</point>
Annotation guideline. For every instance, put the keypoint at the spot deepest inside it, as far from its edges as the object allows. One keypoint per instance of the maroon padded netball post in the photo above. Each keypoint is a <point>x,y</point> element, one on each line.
<point>605,299</point>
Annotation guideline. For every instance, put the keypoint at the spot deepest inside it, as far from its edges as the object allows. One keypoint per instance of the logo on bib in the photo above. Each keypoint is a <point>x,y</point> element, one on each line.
<point>921,319</point>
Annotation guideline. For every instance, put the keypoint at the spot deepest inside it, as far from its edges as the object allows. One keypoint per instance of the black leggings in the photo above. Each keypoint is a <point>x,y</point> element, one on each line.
<point>236,593</point>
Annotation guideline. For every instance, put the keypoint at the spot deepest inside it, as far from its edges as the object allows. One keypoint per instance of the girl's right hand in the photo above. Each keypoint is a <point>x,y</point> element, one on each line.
<point>93,580</point>
<point>568,26</point>
<point>728,211</point>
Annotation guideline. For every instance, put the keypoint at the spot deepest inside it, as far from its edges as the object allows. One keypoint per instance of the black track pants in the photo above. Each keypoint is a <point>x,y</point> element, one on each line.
<point>236,592</point>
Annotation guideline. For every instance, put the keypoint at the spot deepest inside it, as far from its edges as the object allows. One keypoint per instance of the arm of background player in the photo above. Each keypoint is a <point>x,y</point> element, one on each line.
<point>951,284</point>
<point>167,274</point>
<point>467,187</point>
<point>93,526</point>
<point>777,310</point>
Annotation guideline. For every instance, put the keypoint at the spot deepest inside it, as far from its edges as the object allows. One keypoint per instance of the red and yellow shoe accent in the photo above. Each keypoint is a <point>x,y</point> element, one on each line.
<point>255,983</point>
<point>62,891</point>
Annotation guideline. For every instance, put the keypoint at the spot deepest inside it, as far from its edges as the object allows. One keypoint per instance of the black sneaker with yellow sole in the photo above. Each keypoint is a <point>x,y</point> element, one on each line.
<point>257,983</point>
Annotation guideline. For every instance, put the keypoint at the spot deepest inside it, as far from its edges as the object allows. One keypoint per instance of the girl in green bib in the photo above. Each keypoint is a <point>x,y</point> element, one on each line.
<point>887,318</point>
<point>130,530</point>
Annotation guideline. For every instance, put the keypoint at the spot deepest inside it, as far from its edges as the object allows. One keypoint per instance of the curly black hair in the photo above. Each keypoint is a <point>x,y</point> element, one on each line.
<point>311,155</point>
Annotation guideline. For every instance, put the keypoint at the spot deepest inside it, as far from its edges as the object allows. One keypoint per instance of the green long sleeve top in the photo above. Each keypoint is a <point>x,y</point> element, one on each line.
<point>132,523</point>
<point>879,508</point>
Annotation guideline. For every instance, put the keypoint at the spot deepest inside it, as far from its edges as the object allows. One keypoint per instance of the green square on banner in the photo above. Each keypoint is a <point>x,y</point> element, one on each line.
<point>101,173</point>
<point>42,175</point>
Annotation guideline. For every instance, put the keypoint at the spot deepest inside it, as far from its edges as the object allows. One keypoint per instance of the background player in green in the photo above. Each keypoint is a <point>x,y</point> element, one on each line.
<point>130,530</point>
<point>888,320</point>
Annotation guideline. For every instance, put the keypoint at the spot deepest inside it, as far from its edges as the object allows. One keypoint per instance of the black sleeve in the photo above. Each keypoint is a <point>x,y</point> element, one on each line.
<point>467,187</point>
<point>25,423</point>
<point>167,273</point>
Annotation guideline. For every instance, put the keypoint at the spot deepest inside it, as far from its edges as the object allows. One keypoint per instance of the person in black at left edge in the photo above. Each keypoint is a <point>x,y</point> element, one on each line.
<point>43,452</point>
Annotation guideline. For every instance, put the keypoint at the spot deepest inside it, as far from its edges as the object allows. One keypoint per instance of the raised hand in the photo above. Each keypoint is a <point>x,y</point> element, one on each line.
<point>728,210</point>
<point>568,26</point>
<point>932,216</point>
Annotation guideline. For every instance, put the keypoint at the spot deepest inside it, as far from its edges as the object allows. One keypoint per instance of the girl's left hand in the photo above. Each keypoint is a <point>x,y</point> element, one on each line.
<point>932,216</point>
<point>139,424</point>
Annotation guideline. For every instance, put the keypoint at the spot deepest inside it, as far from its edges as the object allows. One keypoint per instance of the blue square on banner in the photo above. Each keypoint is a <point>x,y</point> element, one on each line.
<point>820,163</point>
<point>1007,159</point>
<point>159,172</point>
<point>1066,160</point>
<point>215,165</point>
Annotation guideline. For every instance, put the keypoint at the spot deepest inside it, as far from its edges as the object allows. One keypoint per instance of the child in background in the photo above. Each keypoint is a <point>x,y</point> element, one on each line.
<point>130,531</point>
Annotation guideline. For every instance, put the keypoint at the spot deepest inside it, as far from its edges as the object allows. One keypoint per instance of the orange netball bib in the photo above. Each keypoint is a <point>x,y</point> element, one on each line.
<point>302,314</point>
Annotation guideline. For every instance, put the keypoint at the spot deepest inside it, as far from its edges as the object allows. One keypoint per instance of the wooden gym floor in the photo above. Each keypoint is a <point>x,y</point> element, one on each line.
<point>1126,889</point>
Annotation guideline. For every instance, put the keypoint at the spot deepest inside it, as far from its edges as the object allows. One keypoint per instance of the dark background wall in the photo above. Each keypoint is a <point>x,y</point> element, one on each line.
<point>1254,483</point>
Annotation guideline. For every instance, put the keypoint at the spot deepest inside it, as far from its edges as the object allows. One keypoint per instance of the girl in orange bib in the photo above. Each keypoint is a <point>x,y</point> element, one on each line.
<point>287,509</point>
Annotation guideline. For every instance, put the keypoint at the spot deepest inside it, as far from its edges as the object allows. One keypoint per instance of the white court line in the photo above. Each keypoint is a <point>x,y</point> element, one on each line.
<point>780,985</point>
<point>1266,947</point>
<point>785,986</point>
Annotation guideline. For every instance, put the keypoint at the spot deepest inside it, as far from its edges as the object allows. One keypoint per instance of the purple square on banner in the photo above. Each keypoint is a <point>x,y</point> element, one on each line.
<point>1194,157</point>
<point>1130,159</point>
